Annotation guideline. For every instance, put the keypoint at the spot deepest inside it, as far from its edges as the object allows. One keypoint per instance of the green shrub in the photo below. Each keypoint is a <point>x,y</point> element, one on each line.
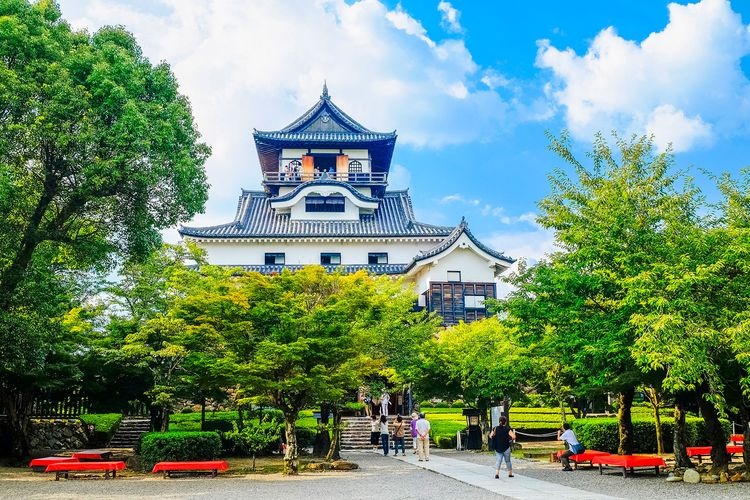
<point>272,415</point>
<point>306,437</point>
<point>458,404</point>
<point>219,425</point>
<point>426,404</point>
<point>178,446</point>
<point>442,404</point>
<point>445,442</point>
<point>255,439</point>
<point>105,425</point>
<point>603,434</point>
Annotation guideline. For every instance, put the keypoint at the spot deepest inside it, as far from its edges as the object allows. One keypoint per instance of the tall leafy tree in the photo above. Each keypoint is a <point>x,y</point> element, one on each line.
<point>98,150</point>
<point>311,336</point>
<point>612,220</point>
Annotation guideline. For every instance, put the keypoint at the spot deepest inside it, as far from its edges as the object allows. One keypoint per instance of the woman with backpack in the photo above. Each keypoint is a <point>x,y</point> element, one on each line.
<point>501,439</point>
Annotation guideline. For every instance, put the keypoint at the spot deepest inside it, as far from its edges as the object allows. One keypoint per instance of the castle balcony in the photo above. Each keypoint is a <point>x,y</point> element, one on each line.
<point>354,178</point>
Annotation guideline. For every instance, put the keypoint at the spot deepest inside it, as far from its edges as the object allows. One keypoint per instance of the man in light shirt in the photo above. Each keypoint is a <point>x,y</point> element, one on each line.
<point>423,438</point>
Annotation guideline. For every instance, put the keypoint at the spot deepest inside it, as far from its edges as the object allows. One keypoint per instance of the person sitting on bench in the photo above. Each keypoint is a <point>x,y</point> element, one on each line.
<point>574,447</point>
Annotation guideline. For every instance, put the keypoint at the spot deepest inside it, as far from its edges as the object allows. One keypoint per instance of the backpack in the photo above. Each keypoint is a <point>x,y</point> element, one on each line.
<point>577,448</point>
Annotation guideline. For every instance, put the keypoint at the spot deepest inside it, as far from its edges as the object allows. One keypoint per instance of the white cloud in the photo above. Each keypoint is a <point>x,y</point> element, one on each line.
<point>261,64</point>
<point>530,245</point>
<point>450,18</point>
<point>399,177</point>
<point>683,84</point>
<point>459,198</point>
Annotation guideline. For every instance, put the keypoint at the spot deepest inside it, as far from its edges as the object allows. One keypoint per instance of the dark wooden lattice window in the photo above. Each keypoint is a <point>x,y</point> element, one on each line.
<point>355,166</point>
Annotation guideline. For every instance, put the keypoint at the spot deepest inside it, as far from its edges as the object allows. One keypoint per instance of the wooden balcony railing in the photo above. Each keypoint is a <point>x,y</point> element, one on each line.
<point>285,178</point>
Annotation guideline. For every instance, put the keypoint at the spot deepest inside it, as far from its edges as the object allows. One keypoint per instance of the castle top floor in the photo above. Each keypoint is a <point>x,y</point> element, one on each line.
<point>325,143</point>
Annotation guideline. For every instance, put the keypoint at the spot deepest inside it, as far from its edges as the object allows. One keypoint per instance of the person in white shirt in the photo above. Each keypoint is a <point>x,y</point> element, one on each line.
<point>385,399</point>
<point>574,446</point>
<point>423,438</point>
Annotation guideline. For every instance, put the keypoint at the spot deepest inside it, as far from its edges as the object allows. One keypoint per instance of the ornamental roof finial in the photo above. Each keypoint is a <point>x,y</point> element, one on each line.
<point>325,95</point>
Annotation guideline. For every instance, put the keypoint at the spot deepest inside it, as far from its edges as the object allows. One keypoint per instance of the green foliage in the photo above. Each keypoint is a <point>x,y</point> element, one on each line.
<point>443,404</point>
<point>218,425</point>
<point>602,433</point>
<point>102,422</point>
<point>458,404</point>
<point>105,425</point>
<point>178,446</point>
<point>306,437</point>
<point>426,404</point>
<point>181,422</point>
<point>445,441</point>
<point>255,439</point>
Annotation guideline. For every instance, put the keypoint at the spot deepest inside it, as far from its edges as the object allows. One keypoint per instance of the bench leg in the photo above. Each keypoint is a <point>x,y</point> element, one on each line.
<point>657,470</point>
<point>57,476</point>
<point>600,470</point>
<point>114,474</point>
<point>216,471</point>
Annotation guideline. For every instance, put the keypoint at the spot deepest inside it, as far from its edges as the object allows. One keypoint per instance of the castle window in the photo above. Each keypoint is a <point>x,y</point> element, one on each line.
<point>275,259</point>
<point>325,204</point>
<point>330,259</point>
<point>377,258</point>
<point>474,301</point>
<point>454,276</point>
<point>355,166</point>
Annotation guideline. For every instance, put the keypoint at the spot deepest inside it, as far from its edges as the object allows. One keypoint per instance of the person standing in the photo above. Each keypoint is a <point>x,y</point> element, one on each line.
<point>398,436</point>
<point>384,433</point>
<point>385,399</point>
<point>423,438</point>
<point>502,437</point>
<point>374,432</point>
<point>413,425</point>
<point>574,446</point>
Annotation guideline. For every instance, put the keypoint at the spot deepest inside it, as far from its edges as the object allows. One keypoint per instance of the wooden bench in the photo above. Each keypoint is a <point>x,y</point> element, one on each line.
<point>631,462</point>
<point>211,466</point>
<point>64,468</point>
<point>40,464</point>
<point>586,456</point>
<point>700,451</point>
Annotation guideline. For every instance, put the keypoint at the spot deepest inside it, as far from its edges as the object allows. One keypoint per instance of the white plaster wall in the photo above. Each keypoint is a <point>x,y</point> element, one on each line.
<point>351,211</point>
<point>246,253</point>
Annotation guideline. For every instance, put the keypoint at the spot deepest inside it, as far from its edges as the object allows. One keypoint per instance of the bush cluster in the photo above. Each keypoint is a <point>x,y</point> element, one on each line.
<point>255,439</point>
<point>603,434</point>
<point>178,446</point>
<point>218,425</point>
<point>105,425</point>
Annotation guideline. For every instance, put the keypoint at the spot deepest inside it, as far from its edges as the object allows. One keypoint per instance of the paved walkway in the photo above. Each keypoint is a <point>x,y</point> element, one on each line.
<point>482,476</point>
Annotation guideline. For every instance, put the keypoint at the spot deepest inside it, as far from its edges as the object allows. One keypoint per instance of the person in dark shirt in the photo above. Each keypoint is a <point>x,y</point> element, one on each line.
<point>501,439</point>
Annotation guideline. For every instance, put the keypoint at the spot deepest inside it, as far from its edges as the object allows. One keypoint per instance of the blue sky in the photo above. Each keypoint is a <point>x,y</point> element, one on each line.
<point>470,86</point>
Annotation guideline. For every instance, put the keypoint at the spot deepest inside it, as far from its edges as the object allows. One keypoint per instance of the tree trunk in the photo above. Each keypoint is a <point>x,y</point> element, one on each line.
<point>291,457</point>
<point>625,421</point>
<point>322,443</point>
<point>203,412</point>
<point>655,400</point>
<point>17,406</point>
<point>715,435</point>
<point>679,441</point>
<point>484,422</point>
<point>334,451</point>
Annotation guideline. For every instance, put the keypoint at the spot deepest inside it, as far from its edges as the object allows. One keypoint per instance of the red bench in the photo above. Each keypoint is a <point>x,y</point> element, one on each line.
<point>63,468</point>
<point>88,455</point>
<point>737,438</point>
<point>631,462</point>
<point>212,466</point>
<point>699,451</point>
<point>40,464</point>
<point>586,456</point>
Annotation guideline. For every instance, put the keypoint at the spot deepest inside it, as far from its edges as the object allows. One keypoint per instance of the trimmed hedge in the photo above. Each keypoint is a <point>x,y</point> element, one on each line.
<point>219,425</point>
<point>105,425</point>
<point>178,446</point>
<point>603,434</point>
<point>445,442</point>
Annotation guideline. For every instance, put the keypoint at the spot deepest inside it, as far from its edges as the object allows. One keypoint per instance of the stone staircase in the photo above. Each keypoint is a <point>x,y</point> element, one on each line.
<point>129,432</point>
<point>356,433</point>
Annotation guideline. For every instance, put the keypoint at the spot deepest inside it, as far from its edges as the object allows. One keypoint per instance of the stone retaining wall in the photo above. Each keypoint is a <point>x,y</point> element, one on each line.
<point>58,434</point>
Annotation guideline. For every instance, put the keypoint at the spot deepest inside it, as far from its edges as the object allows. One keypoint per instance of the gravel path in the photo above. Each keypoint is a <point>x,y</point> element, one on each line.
<point>378,477</point>
<point>645,484</point>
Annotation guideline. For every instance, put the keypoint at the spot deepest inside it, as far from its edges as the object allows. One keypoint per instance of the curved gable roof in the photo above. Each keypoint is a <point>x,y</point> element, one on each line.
<point>324,182</point>
<point>451,239</point>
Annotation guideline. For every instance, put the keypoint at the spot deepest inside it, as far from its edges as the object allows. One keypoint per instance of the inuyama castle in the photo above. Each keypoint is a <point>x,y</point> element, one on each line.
<point>325,200</point>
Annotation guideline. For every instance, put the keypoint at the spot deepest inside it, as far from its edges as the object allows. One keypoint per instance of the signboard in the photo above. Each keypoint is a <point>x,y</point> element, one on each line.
<point>495,413</point>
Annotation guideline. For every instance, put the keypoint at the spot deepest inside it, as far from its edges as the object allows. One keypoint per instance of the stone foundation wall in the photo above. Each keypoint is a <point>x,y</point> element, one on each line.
<point>58,434</point>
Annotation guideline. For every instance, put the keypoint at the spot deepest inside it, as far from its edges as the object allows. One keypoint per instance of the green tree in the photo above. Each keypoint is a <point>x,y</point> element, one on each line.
<point>613,221</point>
<point>310,338</point>
<point>479,362</point>
<point>97,148</point>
